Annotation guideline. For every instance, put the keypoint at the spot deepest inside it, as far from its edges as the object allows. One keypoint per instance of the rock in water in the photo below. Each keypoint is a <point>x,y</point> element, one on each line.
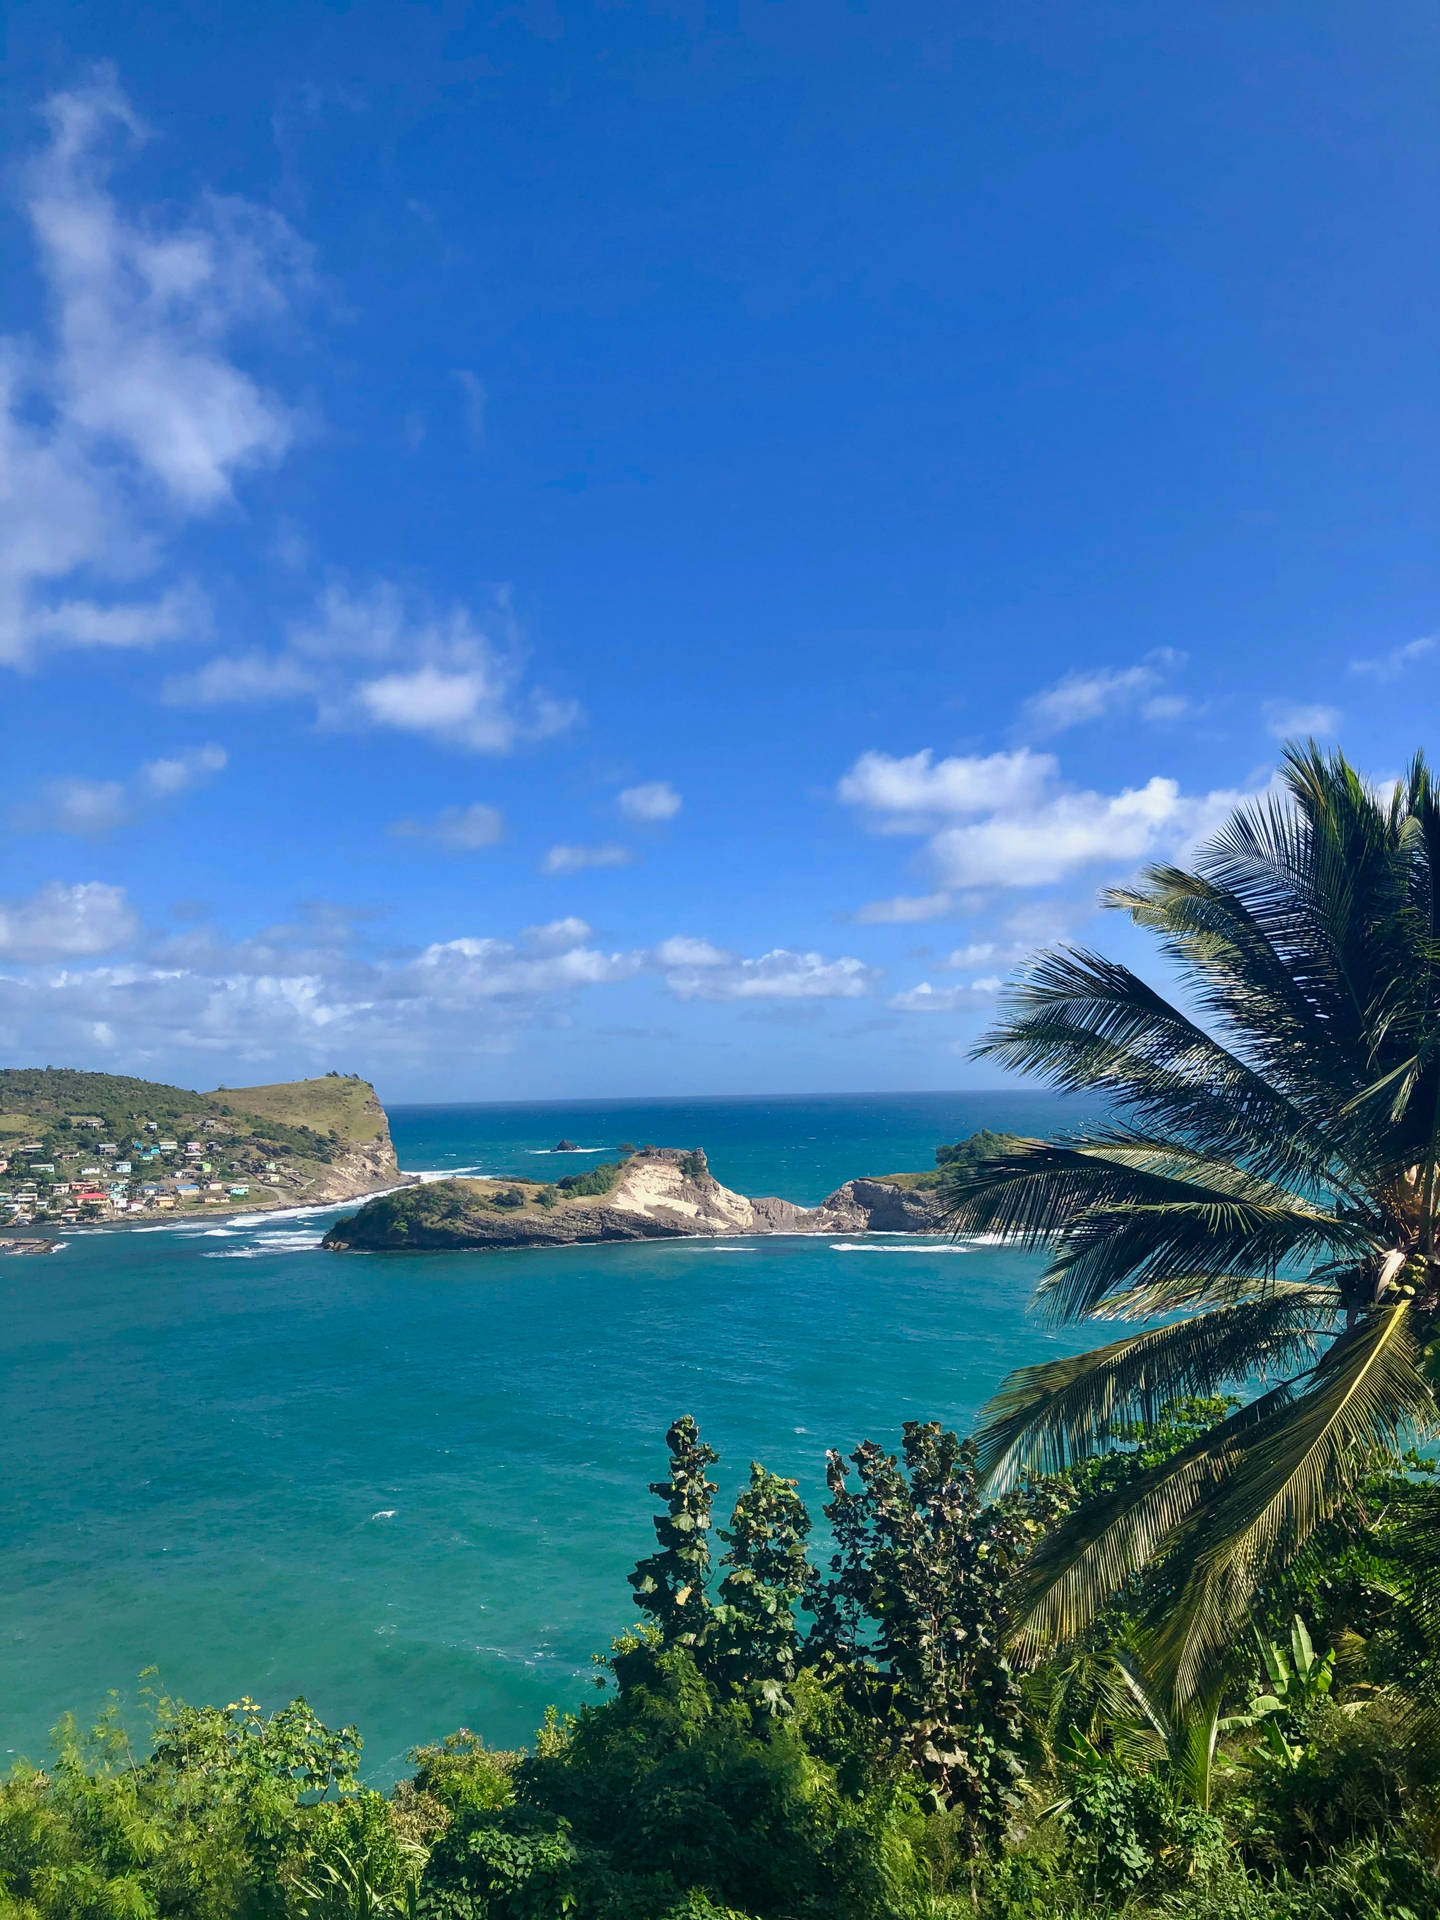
<point>565,1146</point>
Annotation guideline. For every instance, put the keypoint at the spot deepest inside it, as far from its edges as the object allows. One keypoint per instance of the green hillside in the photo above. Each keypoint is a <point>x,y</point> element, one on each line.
<point>55,1101</point>
<point>337,1105</point>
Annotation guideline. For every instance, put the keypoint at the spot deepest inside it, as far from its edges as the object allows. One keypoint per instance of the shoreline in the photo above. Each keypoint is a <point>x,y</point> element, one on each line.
<point>158,1222</point>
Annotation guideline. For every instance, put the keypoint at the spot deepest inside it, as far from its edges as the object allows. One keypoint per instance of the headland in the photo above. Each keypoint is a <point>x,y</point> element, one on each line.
<point>655,1193</point>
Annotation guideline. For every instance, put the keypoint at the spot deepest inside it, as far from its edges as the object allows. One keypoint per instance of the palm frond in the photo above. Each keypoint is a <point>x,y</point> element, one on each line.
<point>1288,1476</point>
<point>1094,1554</point>
<point>1085,1023</point>
<point>1051,1415</point>
<point>1124,1212</point>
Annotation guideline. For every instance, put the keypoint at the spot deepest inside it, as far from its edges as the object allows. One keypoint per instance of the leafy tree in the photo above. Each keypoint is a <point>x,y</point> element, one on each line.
<point>769,1574</point>
<point>670,1585</point>
<point>1271,1178</point>
<point>911,1615</point>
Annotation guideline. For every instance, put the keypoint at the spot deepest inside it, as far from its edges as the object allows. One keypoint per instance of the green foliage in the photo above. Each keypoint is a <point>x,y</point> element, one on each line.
<point>1345,1775</point>
<point>510,1864</point>
<point>975,1148</point>
<point>1129,1830</point>
<point>913,1615</point>
<point>233,1815</point>
<point>670,1584</point>
<point>436,1205</point>
<point>769,1574</point>
<point>592,1183</point>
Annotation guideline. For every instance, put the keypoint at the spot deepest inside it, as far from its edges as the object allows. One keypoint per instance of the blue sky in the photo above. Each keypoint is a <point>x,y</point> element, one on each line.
<point>612,549</point>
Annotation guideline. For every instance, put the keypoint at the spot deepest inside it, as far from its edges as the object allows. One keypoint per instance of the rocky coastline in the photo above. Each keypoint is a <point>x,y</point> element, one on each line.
<point>658,1193</point>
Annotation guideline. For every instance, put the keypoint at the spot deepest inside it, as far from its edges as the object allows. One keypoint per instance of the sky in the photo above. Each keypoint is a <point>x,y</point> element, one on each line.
<point>596,549</point>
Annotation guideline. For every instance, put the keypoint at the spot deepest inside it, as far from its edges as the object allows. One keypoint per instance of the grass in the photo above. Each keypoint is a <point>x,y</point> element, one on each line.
<point>335,1103</point>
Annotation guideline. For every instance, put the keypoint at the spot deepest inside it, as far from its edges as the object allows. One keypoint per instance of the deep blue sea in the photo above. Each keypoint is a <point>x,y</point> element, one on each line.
<point>410,1485</point>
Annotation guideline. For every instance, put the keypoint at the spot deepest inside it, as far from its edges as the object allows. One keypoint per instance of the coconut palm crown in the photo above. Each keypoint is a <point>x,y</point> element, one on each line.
<point>1268,1191</point>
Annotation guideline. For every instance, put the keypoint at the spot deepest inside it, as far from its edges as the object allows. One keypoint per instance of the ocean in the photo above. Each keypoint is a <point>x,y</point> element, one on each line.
<point>410,1486</point>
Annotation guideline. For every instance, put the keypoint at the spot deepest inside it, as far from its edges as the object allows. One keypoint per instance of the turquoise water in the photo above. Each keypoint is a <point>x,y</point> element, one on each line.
<point>410,1486</point>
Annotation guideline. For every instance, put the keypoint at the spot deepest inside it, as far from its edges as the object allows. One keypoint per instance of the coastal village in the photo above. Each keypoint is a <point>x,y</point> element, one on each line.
<point>89,1148</point>
<point>70,1174</point>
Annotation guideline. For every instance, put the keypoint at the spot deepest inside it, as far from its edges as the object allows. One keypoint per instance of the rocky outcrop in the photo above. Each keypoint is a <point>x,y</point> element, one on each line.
<point>661,1193</point>
<point>879,1206</point>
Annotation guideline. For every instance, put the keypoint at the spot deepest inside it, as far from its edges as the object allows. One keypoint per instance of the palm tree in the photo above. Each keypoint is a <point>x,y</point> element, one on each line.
<point>1267,1190</point>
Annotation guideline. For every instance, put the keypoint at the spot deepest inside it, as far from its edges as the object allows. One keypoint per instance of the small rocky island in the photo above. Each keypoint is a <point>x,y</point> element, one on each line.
<point>657,1193</point>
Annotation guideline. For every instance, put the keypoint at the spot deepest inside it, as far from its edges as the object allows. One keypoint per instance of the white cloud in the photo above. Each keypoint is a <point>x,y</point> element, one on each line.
<point>474,401</point>
<point>1038,923</point>
<point>288,998</point>
<point>655,800</point>
<point>681,950</point>
<point>461,829</point>
<point>566,859</point>
<point>1288,720</point>
<point>981,953</point>
<point>61,923</point>
<point>1389,666</point>
<point>92,808</point>
<point>240,679</point>
<point>378,657</point>
<point>557,935</point>
<point>906,909</point>
<point>1017,826</point>
<point>1072,831</point>
<point>484,969</point>
<point>164,779</point>
<point>1167,706</point>
<point>1082,697</point>
<point>695,970</point>
<point>928,999</point>
<point>132,417</point>
<point>901,794</point>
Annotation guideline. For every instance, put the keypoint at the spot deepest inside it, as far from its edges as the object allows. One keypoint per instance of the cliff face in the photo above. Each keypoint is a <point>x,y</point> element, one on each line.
<point>350,1110</point>
<point>661,1193</point>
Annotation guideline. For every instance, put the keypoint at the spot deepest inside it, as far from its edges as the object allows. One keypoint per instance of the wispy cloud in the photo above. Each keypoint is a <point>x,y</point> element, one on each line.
<point>906,909</point>
<point>131,417</point>
<point>928,999</point>
<point>1299,719</point>
<point>474,401</point>
<point>654,800</point>
<point>377,656</point>
<point>1082,697</point>
<point>1389,666</point>
<point>93,808</point>
<point>460,829</point>
<point>569,859</point>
